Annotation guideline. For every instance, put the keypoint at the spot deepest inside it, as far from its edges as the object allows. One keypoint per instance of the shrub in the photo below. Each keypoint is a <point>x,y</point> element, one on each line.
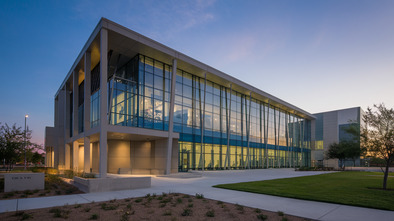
<point>186,212</point>
<point>280,213</point>
<point>138,200</point>
<point>190,205</point>
<point>167,213</point>
<point>94,217</point>
<point>26,216</point>
<point>257,210</point>
<point>106,206</point>
<point>69,174</point>
<point>199,196</point>
<point>262,217</point>
<point>210,213</point>
<point>59,213</point>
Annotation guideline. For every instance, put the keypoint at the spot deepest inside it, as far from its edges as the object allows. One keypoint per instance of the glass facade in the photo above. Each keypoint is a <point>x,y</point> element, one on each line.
<point>219,127</point>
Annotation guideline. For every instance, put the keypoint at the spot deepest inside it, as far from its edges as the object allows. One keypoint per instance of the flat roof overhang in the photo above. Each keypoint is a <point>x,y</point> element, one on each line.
<point>130,43</point>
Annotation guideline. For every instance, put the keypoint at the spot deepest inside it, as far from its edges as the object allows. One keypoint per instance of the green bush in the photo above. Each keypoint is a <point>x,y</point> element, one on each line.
<point>199,196</point>
<point>186,212</point>
<point>94,217</point>
<point>69,174</point>
<point>262,217</point>
<point>210,213</point>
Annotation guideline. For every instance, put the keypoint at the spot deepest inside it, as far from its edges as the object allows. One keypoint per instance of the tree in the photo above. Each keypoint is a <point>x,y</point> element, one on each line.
<point>344,150</point>
<point>11,144</point>
<point>336,151</point>
<point>349,148</point>
<point>378,135</point>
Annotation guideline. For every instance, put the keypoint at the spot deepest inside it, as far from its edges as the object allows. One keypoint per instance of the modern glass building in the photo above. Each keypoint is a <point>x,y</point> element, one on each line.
<point>332,127</point>
<point>132,105</point>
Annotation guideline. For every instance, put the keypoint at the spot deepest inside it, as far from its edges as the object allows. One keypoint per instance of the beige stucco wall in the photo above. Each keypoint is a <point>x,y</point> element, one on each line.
<point>118,155</point>
<point>95,157</point>
<point>80,158</point>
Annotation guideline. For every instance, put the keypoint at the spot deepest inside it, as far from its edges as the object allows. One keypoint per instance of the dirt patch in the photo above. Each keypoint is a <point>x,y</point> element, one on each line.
<point>54,186</point>
<point>151,207</point>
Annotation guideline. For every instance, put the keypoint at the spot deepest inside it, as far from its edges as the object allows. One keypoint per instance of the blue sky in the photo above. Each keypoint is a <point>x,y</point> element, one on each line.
<point>317,55</point>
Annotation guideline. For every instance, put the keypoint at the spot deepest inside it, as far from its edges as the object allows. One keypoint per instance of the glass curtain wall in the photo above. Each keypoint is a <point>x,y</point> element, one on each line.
<point>219,128</point>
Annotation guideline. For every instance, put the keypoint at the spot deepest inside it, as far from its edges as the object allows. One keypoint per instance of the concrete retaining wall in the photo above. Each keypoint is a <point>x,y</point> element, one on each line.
<point>111,184</point>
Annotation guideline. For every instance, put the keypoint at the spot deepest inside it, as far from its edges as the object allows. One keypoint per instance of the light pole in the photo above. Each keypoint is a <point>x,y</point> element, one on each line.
<point>26,116</point>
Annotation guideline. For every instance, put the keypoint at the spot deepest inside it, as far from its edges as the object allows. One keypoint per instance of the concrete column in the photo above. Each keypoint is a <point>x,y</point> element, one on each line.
<point>103,102</point>
<point>66,112</point>
<point>75,156</point>
<point>67,157</point>
<point>86,154</point>
<point>87,91</point>
<point>171,118</point>
<point>75,103</point>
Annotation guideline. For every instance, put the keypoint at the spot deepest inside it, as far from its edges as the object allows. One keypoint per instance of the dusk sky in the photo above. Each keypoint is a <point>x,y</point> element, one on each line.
<point>316,55</point>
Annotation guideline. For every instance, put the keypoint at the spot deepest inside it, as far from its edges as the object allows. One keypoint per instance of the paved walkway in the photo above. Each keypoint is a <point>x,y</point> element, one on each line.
<point>203,184</point>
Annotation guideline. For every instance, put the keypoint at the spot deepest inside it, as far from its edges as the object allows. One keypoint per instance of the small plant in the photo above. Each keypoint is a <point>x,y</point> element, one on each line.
<point>128,206</point>
<point>87,209</point>
<point>186,212</point>
<point>210,213</point>
<point>26,216</point>
<point>125,216</point>
<point>106,206</point>
<point>167,213</point>
<point>59,213</point>
<point>28,192</point>
<point>164,194</point>
<point>35,191</point>
<point>162,205</point>
<point>190,200</point>
<point>160,197</point>
<point>185,196</point>
<point>190,205</point>
<point>7,195</point>
<point>127,200</point>
<point>77,206</point>
<point>154,195</point>
<point>284,218</point>
<point>138,200</point>
<point>280,213</point>
<point>166,200</point>
<point>147,195</point>
<point>179,200</point>
<point>239,207</point>
<point>94,216</point>
<point>262,217</point>
<point>199,196</point>
<point>257,210</point>
<point>219,202</point>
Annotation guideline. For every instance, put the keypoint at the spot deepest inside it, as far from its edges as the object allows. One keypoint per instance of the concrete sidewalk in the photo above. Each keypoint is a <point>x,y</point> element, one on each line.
<point>203,184</point>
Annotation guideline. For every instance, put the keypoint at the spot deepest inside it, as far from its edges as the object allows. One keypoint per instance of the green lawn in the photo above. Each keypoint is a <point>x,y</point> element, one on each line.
<point>350,188</point>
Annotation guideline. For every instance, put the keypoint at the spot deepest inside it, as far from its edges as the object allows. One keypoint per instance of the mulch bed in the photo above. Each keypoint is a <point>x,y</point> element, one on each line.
<point>172,206</point>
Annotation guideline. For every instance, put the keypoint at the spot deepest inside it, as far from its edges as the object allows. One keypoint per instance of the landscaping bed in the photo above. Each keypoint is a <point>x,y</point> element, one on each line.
<point>54,186</point>
<point>151,207</point>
